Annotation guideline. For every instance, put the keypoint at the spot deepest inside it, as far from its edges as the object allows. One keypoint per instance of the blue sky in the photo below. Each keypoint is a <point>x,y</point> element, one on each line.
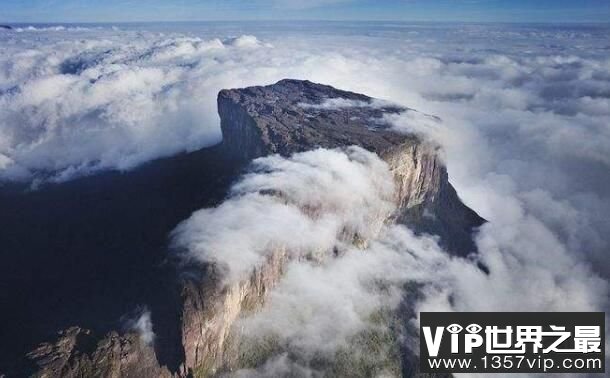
<point>409,10</point>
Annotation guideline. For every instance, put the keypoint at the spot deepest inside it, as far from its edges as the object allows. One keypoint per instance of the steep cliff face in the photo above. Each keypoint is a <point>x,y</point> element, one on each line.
<point>210,310</point>
<point>427,201</point>
<point>294,116</point>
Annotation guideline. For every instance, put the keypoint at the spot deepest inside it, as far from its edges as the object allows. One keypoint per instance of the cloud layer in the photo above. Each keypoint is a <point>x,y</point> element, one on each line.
<point>524,127</point>
<point>74,107</point>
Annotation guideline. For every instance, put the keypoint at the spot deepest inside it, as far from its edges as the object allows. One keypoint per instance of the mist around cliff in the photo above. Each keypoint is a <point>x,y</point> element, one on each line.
<point>309,205</point>
<point>332,291</point>
<point>140,321</point>
<point>524,125</point>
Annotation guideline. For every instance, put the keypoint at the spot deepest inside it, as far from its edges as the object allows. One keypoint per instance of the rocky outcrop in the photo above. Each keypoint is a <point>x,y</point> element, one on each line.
<point>294,116</point>
<point>78,353</point>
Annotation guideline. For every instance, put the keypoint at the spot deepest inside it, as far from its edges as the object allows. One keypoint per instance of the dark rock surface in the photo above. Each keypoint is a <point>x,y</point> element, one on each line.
<point>78,354</point>
<point>293,116</point>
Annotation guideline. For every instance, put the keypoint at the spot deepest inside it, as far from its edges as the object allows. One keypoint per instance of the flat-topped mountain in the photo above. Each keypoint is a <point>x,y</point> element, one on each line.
<point>293,116</point>
<point>195,328</point>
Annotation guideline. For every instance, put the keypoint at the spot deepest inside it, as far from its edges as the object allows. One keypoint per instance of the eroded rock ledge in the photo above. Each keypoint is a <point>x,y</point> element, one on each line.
<point>78,353</point>
<point>287,117</point>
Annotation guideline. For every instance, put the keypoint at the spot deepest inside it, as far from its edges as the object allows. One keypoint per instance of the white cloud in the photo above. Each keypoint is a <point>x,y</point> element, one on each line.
<point>246,42</point>
<point>142,324</point>
<point>319,307</point>
<point>74,107</point>
<point>280,366</point>
<point>324,196</point>
<point>339,103</point>
<point>58,28</point>
<point>524,127</point>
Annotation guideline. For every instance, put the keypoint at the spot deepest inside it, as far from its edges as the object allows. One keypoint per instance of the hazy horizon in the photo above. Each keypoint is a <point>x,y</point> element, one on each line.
<point>74,11</point>
<point>363,21</point>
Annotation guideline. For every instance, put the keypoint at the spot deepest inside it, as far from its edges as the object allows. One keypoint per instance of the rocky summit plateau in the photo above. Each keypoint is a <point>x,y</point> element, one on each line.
<point>294,116</point>
<point>193,312</point>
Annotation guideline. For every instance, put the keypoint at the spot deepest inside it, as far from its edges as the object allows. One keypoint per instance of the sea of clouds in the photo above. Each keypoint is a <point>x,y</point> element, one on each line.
<point>525,126</point>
